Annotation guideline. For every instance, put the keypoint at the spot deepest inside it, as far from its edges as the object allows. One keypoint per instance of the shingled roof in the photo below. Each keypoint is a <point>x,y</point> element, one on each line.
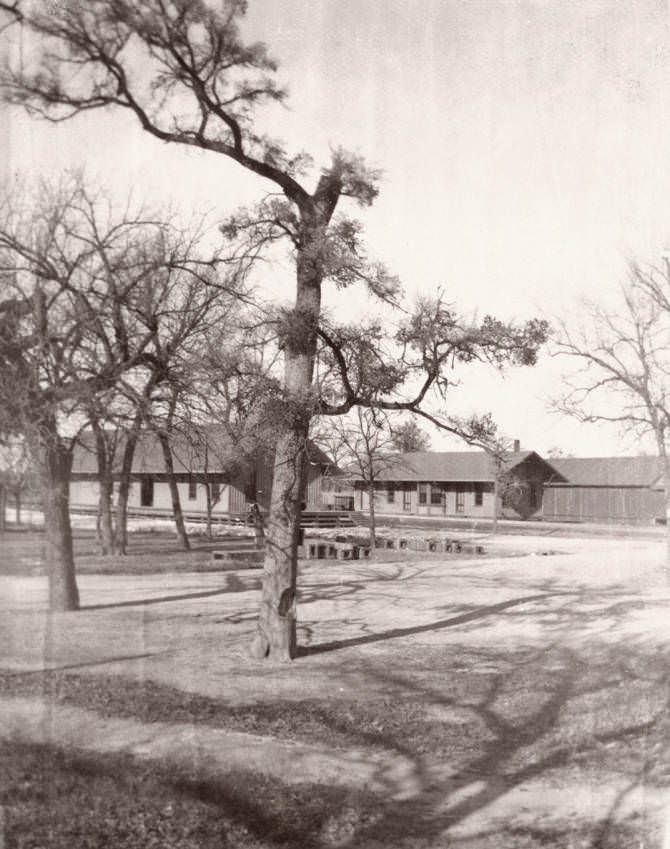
<point>609,471</point>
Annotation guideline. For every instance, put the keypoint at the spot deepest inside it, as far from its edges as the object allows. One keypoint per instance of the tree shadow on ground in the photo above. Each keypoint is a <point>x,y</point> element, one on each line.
<point>475,724</point>
<point>123,801</point>
<point>233,585</point>
<point>479,726</point>
<point>561,727</point>
<point>578,608</point>
<point>461,619</point>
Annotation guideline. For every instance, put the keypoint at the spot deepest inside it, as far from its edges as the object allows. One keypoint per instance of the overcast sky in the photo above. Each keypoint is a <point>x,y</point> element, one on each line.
<point>525,149</point>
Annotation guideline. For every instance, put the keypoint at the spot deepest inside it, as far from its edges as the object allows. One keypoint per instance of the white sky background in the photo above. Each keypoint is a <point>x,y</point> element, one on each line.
<point>525,149</point>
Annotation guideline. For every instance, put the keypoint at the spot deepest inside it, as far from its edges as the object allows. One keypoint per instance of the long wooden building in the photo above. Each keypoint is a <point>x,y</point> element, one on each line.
<point>234,482</point>
<point>463,484</point>
<point>605,489</point>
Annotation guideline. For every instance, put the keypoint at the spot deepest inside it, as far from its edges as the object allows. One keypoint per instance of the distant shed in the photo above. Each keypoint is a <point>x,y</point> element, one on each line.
<point>606,489</point>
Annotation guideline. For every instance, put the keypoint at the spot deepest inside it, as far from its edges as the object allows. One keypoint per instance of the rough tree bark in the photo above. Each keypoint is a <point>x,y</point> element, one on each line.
<point>276,631</point>
<point>55,466</point>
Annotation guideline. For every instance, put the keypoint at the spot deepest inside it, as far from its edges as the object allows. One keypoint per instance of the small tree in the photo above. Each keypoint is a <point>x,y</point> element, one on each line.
<point>364,445</point>
<point>623,364</point>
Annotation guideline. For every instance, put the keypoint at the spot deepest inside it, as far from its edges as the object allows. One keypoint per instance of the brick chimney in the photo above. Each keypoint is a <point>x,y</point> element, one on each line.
<point>517,446</point>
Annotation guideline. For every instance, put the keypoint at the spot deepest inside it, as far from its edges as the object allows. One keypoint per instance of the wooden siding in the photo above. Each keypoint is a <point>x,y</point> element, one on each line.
<point>237,500</point>
<point>452,496</point>
<point>313,496</point>
<point>85,493</point>
<point>602,504</point>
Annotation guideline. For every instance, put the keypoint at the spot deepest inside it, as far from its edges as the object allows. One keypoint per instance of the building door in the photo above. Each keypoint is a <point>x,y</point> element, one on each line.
<point>460,501</point>
<point>407,500</point>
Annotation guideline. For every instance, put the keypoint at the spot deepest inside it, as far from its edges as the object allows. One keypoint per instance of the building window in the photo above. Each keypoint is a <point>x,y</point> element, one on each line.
<point>390,495</point>
<point>192,490</point>
<point>423,493</point>
<point>147,492</point>
<point>215,491</point>
<point>460,501</point>
<point>479,496</point>
<point>435,494</point>
<point>407,500</point>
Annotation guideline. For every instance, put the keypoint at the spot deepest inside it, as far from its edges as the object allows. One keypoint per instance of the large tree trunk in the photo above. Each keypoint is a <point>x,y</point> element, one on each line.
<point>3,508</point>
<point>17,505</point>
<point>177,514</point>
<point>55,472</point>
<point>276,632</point>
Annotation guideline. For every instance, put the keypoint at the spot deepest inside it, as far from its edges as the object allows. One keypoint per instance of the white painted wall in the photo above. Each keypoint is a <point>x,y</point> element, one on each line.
<point>86,494</point>
<point>470,509</point>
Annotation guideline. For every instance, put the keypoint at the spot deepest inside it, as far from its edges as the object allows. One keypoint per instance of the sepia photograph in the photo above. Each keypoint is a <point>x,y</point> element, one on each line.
<point>334,424</point>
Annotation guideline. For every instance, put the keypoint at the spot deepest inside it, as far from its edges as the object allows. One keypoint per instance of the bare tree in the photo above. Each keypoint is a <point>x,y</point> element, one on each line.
<point>364,444</point>
<point>183,70</point>
<point>71,263</point>
<point>623,364</point>
<point>233,389</point>
<point>192,291</point>
<point>54,356</point>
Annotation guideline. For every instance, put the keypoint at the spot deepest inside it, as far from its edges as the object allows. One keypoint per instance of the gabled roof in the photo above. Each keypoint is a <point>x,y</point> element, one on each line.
<point>188,455</point>
<point>452,466</point>
<point>609,471</point>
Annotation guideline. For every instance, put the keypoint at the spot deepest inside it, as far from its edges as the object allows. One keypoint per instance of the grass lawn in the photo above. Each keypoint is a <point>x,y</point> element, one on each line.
<point>525,697</point>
